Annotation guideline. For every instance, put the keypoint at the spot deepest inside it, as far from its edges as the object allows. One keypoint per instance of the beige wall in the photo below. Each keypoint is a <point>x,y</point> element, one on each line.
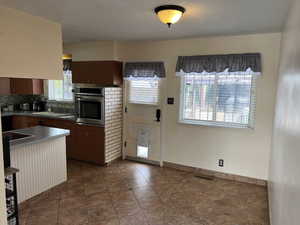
<point>91,51</point>
<point>31,46</point>
<point>245,151</point>
<point>284,183</point>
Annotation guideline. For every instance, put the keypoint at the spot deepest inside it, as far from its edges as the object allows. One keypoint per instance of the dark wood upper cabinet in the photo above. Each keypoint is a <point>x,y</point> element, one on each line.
<point>21,86</point>
<point>106,73</point>
<point>5,86</point>
<point>27,86</point>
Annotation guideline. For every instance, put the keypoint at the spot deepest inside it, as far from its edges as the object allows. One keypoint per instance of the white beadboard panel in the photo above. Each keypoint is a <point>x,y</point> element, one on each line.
<point>42,166</point>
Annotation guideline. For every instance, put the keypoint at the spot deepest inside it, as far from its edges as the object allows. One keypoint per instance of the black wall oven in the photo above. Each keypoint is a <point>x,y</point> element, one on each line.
<point>89,106</point>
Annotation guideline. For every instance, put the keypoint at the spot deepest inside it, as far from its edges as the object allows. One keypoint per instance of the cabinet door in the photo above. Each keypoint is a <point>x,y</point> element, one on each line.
<point>90,144</point>
<point>5,86</point>
<point>26,86</point>
<point>21,86</point>
<point>6,122</point>
<point>37,86</point>
<point>21,122</point>
<point>97,72</point>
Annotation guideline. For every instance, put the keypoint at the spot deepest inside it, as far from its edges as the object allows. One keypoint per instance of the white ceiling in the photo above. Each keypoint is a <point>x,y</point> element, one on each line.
<point>87,20</point>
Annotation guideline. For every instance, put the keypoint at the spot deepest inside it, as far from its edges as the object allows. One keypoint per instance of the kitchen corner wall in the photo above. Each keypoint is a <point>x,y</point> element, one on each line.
<point>245,151</point>
<point>284,188</point>
<point>31,46</point>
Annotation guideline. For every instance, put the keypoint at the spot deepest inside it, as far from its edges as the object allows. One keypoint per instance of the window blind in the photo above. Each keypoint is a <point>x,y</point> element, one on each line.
<point>225,100</point>
<point>144,91</point>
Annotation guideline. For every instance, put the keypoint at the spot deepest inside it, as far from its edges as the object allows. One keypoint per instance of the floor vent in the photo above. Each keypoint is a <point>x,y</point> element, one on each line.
<point>201,175</point>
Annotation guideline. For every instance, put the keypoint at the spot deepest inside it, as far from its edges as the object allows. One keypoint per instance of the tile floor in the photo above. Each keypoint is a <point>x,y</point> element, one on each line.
<point>128,193</point>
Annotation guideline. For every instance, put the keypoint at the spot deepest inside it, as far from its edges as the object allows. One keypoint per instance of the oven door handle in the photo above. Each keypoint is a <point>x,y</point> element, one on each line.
<point>89,94</point>
<point>89,99</point>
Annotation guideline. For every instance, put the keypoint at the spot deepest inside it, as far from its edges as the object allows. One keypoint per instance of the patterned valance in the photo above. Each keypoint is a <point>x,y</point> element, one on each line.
<point>203,64</point>
<point>67,64</point>
<point>144,70</point>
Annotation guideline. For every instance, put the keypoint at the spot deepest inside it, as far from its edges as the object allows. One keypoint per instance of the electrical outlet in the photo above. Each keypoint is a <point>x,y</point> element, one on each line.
<point>221,162</point>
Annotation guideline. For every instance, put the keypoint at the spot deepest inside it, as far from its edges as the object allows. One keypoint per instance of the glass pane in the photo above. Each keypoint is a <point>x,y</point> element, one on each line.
<point>61,89</point>
<point>68,95</point>
<point>199,97</point>
<point>234,98</point>
<point>218,99</point>
<point>144,91</point>
<point>142,151</point>
<point>90,109</point>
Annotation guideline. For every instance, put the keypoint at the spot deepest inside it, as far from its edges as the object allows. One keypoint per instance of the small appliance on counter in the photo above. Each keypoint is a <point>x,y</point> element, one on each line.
<point>11,107</point>
<point>35,106</point>
<point>25,107</point>
<point>38,106</point>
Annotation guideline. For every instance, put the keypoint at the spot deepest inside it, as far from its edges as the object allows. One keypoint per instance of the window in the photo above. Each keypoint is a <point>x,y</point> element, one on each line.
<point>144,91</point>
<point>218,100</point>
<point>61,90</point>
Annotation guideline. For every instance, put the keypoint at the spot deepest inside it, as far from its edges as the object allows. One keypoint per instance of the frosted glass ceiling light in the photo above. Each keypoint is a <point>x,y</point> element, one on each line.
<point>169,14</point>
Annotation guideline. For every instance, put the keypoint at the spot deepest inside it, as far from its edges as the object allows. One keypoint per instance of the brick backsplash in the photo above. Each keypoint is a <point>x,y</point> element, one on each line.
<point>113,123</point>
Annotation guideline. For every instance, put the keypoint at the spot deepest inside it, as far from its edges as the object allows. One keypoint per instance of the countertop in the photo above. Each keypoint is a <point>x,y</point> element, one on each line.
<point>64,116</point>
<point>39,134</point>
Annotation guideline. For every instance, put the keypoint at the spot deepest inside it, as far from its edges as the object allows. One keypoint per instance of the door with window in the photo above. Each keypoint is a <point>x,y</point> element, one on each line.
<point>142,120</point>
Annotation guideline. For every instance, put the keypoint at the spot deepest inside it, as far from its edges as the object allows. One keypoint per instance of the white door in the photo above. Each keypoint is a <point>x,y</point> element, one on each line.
<point>142,120</point>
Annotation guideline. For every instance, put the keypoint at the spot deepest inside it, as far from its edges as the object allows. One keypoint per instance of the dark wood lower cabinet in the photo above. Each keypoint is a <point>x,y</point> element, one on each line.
<point>20,122</point>
<point>90,144</point>
<point>85,143</point>
<point>63,124</point>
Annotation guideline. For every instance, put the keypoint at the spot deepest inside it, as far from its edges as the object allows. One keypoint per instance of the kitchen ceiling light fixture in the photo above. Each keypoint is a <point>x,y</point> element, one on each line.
<point>67,56</point>
<point>169,14</point>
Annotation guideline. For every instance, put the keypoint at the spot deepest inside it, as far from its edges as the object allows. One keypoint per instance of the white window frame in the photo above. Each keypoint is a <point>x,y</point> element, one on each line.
<point>144,103</point>
<point>213,123</point>
<point>57,99</point>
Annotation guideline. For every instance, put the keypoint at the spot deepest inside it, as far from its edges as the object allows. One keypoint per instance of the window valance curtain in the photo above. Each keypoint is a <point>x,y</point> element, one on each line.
<point>206,64</point>
<point>144,70</point>
<point>67,64</point>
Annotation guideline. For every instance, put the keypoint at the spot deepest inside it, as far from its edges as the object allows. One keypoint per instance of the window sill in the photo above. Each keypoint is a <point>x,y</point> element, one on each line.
<point>214,124</point>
